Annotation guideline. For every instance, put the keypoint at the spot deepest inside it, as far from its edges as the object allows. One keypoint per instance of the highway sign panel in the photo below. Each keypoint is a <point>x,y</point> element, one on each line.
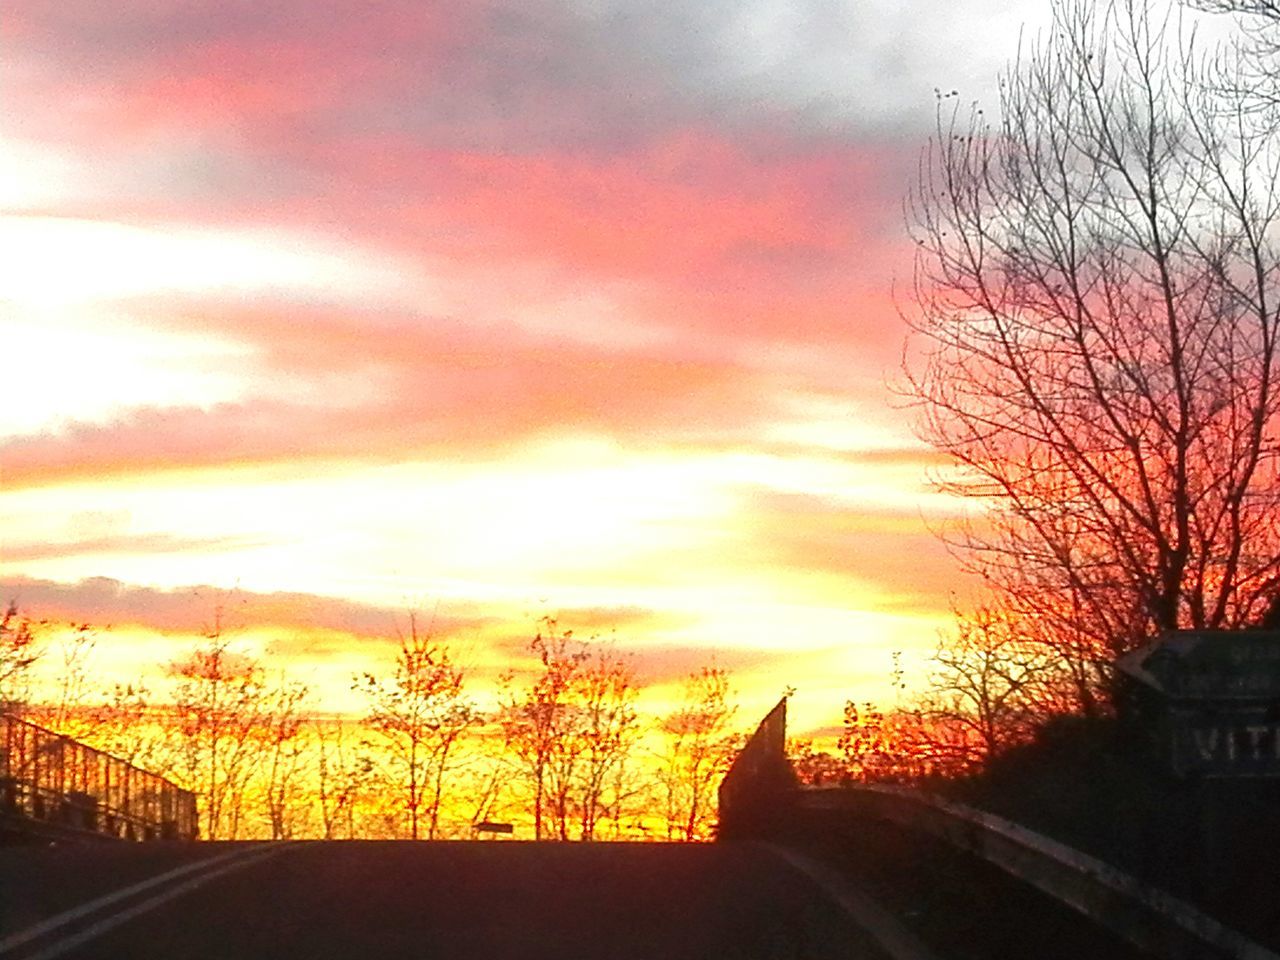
<point>1217,700</point>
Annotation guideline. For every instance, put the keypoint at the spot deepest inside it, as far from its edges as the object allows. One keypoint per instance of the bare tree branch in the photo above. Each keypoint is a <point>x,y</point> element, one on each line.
<point>1097,282</point>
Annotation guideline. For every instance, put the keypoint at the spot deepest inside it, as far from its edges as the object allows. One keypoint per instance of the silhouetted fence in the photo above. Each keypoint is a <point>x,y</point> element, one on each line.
<point>49,779</point>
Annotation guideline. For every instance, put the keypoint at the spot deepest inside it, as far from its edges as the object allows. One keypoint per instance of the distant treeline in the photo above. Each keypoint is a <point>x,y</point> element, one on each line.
<point>564,753</point>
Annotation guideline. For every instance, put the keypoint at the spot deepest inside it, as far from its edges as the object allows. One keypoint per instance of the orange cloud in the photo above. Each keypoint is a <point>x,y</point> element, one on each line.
<point>103,601</point>
<point>395,391</point>
<point>888,558</point>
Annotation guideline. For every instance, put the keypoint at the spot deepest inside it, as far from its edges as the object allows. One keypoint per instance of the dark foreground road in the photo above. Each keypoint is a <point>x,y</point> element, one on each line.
<point>369,901</point>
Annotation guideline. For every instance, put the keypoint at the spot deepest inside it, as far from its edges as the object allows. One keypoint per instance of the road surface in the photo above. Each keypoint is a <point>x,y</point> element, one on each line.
<point>370,900</point>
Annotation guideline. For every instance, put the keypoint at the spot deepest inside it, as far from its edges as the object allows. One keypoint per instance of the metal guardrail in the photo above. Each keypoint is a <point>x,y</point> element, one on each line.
<point>1144,915</point>
<point>49,779</point>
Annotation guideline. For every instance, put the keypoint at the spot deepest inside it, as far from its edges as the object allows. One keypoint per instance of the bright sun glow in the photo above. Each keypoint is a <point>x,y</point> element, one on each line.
<point>57,261</point>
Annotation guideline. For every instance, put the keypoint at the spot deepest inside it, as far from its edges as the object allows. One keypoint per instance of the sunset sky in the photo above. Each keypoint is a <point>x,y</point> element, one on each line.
<point>323,311</point>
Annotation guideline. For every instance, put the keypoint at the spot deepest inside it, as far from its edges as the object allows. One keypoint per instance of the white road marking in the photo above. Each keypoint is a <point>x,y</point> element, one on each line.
<point>883,926</point>
<point>100,927</point>
<point>93,906</point>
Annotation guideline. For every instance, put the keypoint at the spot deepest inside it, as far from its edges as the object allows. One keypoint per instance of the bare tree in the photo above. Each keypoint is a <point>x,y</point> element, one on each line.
<point>130,724</point>
<point>881,745</point>
<point>420,713</point>
<point>1252,67</point>
<point>538,722</point>
<point>991,688</point>
<point>283,736</point>
<point>486,778</point>
<point>608,731</point>
<point>699,746</point>
<point>1268,9</point>
<point>1098,283</point>
<point>217,709</point>
<point>70,711</point>
<point>814,767</point>
<point>343,774</point>
<point>571,731</point>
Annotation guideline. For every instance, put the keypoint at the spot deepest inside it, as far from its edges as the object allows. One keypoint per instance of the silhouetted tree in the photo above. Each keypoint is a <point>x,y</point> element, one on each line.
<point>70,712</point>
<point>344,772</point>
<point>419,712</point>
<point>699,746</point>
<point>1098,284</point>
<point>990,687</point>
<point>286,753</point>
<point>129,722</point>
<point>880,746</point>
<point>1251,68</point>
<point>1270,618</point>
<point>538,722</point>
<point>814,767</point>
<point>217,710</point>
<point>486,779</point>
<point>607,731</point>
<point>1267,9</point>
<point>571,732</point>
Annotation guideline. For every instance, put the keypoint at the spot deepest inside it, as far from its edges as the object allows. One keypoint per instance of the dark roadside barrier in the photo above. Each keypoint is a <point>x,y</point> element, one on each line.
<point>51,785</point>
<point>1146,916</point>
<point>757,794</point>
<point>760,800</point>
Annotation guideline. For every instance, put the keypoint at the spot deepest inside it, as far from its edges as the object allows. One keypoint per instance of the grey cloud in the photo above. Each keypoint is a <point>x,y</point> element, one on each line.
<point>581,72</point>
<point>607,72</point>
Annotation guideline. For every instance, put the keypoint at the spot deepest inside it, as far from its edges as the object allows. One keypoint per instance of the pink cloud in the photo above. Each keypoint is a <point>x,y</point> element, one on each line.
<point>472,130</point>
<point>481,138</point>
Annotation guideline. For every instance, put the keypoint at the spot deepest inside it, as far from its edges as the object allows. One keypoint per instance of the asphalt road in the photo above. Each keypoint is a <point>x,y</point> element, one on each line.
<point>368,900</point>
